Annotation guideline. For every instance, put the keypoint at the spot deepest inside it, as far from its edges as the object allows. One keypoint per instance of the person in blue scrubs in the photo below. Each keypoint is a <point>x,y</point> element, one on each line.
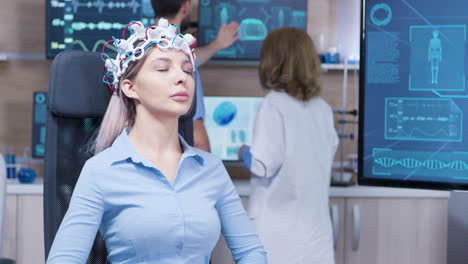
<point>177,12</point>
<point>154,198</point>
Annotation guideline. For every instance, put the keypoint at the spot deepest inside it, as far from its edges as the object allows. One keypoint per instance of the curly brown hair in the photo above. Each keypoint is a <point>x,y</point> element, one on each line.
<point>289,62</point>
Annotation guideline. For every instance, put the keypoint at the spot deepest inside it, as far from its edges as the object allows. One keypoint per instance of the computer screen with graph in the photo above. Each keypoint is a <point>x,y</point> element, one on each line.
<point>414,98</point>
<point>88,24</point>
<point>255,17</point>
<point>229,122</point>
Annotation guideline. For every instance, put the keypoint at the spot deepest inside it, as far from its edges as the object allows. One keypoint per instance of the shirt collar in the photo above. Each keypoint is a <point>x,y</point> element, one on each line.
<point>190,151</point>
<point>122,149</point>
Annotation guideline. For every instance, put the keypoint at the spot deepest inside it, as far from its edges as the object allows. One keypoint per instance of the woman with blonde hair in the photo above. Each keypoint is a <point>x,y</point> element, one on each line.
<point>154,198</point>
<point>292,150</point>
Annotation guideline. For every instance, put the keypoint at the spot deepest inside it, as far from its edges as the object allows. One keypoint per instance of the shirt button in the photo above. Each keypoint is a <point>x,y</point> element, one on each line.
<point>179,245</point>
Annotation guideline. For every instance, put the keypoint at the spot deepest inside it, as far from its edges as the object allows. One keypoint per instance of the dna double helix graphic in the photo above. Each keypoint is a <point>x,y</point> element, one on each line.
<point>411,163</point>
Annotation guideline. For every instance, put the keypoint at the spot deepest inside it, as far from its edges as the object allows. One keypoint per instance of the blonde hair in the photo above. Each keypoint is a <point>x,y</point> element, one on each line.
<point>120,112</point>
<point>289,62</point>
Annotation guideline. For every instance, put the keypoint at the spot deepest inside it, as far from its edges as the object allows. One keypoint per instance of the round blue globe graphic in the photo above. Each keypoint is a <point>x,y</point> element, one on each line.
<point>224,113</point>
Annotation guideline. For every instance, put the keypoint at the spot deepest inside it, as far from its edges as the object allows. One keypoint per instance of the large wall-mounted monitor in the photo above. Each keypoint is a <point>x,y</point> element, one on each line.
<point>87,25</point>
<point>413,94</point>
<point>256,19</point>
<point>229,122</point>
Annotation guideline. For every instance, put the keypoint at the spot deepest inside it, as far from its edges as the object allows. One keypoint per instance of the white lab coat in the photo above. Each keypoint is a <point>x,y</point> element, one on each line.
<point>292,151</point>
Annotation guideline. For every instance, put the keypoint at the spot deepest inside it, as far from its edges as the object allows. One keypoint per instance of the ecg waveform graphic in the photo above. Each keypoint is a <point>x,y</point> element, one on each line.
<point>422,119</point>
<point>407,164</point>
<point>80,45</point>
<point>79,26</point>
<point>134,5</point>
<point>83,24</point>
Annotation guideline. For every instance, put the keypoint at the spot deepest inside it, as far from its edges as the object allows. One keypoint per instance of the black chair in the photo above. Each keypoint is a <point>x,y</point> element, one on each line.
<point>77,101</point>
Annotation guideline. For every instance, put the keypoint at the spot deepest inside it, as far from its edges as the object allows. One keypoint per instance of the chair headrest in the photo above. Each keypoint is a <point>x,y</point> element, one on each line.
<point>75,87</point>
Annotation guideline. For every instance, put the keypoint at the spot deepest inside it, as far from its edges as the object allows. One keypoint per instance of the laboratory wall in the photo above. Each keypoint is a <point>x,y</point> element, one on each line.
<point>23,32</point>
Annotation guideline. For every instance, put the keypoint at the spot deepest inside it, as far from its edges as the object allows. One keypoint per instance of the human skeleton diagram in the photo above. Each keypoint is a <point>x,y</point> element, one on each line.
<point>435,55</point>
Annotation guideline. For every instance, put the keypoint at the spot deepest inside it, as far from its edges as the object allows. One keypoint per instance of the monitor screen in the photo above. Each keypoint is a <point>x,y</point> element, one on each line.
<point>87,25</point>
<point>229,122</point>
<point>255,17</point>
<point>39,124</point>
<point>413,94</point>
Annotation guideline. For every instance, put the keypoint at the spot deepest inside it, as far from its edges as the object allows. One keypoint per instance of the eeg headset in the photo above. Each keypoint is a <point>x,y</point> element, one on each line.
<point>164,36</point>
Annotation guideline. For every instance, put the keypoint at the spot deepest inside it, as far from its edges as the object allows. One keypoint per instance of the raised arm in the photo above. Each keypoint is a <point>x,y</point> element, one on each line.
<point>78,229</point>
<point>226,36</point>
<point>200,135</point>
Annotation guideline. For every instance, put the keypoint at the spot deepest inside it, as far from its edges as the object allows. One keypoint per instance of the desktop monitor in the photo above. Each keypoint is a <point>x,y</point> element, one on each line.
<point>87,25</point>
<point>229,122</point>
<point>39,124</point>
<point>413,94</point>
<point>256,19</point>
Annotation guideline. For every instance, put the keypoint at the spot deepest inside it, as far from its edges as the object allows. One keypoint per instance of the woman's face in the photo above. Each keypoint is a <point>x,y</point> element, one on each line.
<point>164,85</point>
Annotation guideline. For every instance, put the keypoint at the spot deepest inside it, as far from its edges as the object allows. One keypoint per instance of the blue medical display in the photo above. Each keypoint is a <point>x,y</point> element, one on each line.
<point>87,25</point>
<point>39,124</point>
<point>255,17</point>
<point>229,122</point>
<point>414,98</point>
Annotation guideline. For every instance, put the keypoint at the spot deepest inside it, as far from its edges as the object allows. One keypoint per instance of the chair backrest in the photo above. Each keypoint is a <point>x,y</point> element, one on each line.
<point>77,101</point>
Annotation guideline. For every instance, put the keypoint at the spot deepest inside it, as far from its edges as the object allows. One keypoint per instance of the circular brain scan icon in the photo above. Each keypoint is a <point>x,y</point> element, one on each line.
<point>381,14</point>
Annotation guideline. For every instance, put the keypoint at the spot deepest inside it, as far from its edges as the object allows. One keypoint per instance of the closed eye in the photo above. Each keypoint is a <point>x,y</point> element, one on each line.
<point>187,68</point>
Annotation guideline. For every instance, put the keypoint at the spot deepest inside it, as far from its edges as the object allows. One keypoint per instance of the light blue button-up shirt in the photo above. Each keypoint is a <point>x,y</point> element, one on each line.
<point>145,219</point>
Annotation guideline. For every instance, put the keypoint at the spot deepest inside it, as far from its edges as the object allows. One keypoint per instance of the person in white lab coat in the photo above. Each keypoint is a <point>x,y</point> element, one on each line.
<point>292,151</point>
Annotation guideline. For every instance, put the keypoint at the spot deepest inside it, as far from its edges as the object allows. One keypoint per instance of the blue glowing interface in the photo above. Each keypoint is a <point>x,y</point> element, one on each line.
<point>229,122</point>
<point>415,98</point>
<point>88,24</point>
<point>39,124</point>
<point>255,17</point>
